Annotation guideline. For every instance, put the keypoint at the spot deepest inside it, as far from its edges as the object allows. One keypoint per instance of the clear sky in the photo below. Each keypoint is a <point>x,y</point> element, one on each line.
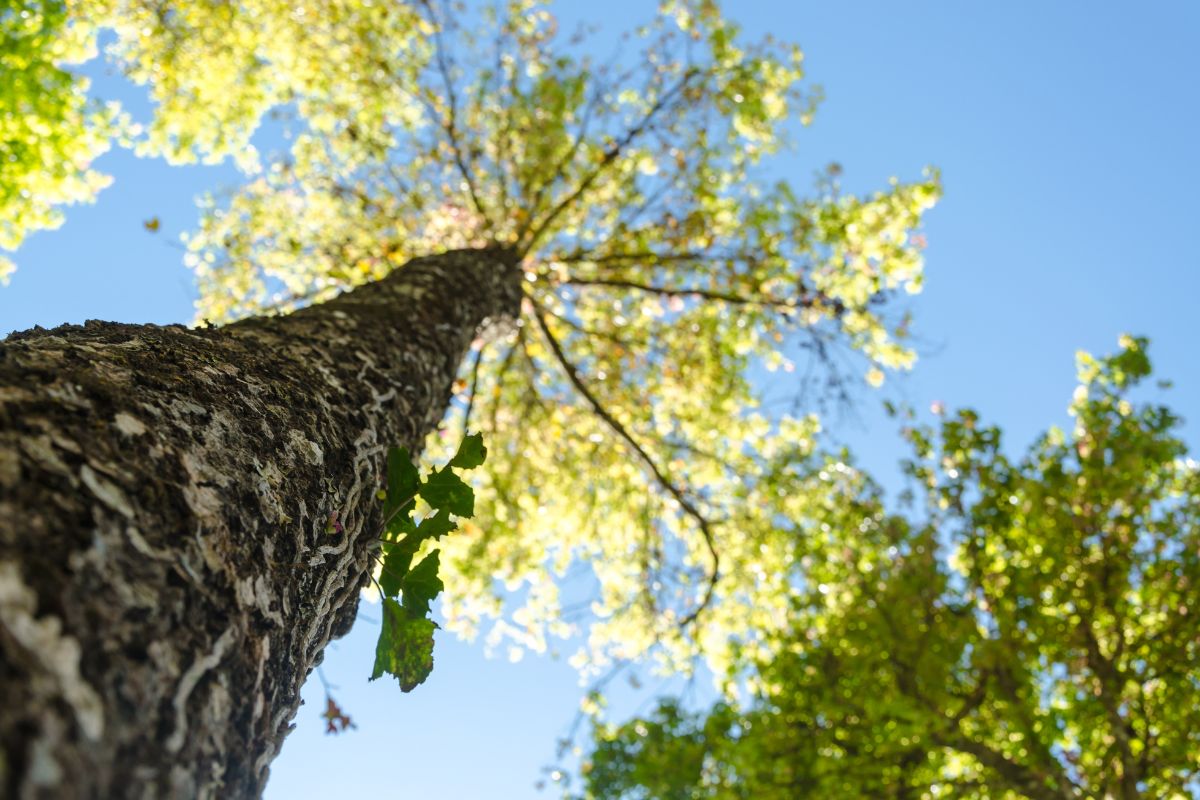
<point>1066,133</point>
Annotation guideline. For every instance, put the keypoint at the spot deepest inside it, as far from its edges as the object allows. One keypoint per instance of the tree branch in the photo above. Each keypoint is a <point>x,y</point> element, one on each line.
<point>663,480</point>
<point>450,123</point>
<point>502,373</point>
<point>1018,777</point>
<point>667,291</point>
<point>536,203</point>
<point>466,427</point>
<point>610,156</point>
<point>579,257</point>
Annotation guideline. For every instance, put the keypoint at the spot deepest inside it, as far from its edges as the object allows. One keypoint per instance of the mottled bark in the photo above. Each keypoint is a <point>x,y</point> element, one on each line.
<point>167,579</point>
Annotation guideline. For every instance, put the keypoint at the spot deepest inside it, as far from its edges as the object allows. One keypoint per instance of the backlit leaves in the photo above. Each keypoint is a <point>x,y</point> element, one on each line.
<point>405,646</point>
<point>421,585</point>
<point>50,132</point>
<point>663,272</point>
<point>215,69</point>
<point>444,489</point>
<point>471,453</point>
<point>403,484</point>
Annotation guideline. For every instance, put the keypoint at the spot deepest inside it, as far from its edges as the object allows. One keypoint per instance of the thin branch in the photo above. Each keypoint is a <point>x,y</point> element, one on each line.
<point>502,374</point>
<point>1111,681</point>
<point>649,202</point>
<point>612,337</point>
<point>536,203</point>
<point>474,388</point>
<point>501,132</point>
<point>402,185</point>
<point>649,257</point>
<point>1017,776</point>
<point>685,503</point>
<point>450,123</point>
<point>609,157</point>
<point>667,291</point>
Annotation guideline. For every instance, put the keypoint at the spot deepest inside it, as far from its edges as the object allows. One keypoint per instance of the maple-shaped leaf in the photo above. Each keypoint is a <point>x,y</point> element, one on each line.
<point>471,452</point>
<point>435,526</point>
<point>403,481</point>
<point>397,558</point>
<point>422,585</point>
<point>405,647</point>
<point>445,490</point>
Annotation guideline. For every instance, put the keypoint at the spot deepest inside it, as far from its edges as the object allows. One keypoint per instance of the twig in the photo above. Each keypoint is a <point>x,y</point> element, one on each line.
<point>668,291</point>
<point>610,156</point>
<point>450,123</point>
<point>474,388</point>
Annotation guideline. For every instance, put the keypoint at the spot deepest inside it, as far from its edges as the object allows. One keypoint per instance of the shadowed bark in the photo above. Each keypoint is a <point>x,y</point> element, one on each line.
<point>167,578</point>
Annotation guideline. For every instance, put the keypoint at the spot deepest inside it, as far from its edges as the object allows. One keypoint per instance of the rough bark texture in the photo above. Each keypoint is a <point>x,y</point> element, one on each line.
<point>167,580</point>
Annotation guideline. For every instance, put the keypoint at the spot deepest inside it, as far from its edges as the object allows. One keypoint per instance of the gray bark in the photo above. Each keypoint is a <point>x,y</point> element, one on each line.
<point>167,580</point>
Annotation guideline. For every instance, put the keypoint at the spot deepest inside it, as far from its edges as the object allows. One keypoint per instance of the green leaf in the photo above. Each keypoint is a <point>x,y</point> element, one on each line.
<point>403,481</point>
<point>445,490</point>
<point>471,452</point>
<point>396,562</point>
<point>422,585</point>
<point>405,647</point>
<point>398,557</point>
<point>400,525</point>
<point>435,526</point>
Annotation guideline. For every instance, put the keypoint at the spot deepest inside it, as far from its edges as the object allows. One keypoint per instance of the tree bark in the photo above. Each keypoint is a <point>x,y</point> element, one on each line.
<point>167,575</point>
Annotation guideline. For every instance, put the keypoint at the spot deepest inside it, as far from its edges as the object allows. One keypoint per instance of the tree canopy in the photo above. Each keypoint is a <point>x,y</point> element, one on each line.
<point>1024,631</point>
<point>663,267</point>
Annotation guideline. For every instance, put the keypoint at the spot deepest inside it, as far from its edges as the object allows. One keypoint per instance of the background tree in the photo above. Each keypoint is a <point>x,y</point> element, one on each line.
<point>655,267</point>
<point>1031,634</point>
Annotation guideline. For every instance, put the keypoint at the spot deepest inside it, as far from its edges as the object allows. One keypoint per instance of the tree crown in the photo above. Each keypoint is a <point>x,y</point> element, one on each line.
<point>662,269</point>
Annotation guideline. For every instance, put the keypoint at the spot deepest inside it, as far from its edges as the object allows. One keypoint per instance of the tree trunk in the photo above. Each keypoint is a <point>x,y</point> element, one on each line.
<point>167,575</point>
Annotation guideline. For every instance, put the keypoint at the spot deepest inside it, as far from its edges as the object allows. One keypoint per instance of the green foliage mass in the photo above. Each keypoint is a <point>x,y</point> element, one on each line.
<point>49,131</point>
<point>661,266</point>
<point>1031,632</point>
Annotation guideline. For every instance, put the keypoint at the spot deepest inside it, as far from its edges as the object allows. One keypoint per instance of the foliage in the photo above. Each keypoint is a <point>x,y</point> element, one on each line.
<point>49,131</point>
<point>662,269</point>
<point>215,69</point>
<point>1033,635</point>
<point>336,720</point>
<point>405,647</point>
<point>1029,635</point>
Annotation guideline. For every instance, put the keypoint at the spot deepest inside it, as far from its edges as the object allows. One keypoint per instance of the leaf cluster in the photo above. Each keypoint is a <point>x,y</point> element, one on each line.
<point>405,647</point>
<point>50,131</point>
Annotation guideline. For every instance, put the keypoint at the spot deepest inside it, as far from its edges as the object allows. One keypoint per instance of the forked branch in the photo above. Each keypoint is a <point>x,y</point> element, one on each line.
<point>610,156</point>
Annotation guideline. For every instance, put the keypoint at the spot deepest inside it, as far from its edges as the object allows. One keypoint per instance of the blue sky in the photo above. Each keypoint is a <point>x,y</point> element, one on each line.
<point>1066,137</point>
